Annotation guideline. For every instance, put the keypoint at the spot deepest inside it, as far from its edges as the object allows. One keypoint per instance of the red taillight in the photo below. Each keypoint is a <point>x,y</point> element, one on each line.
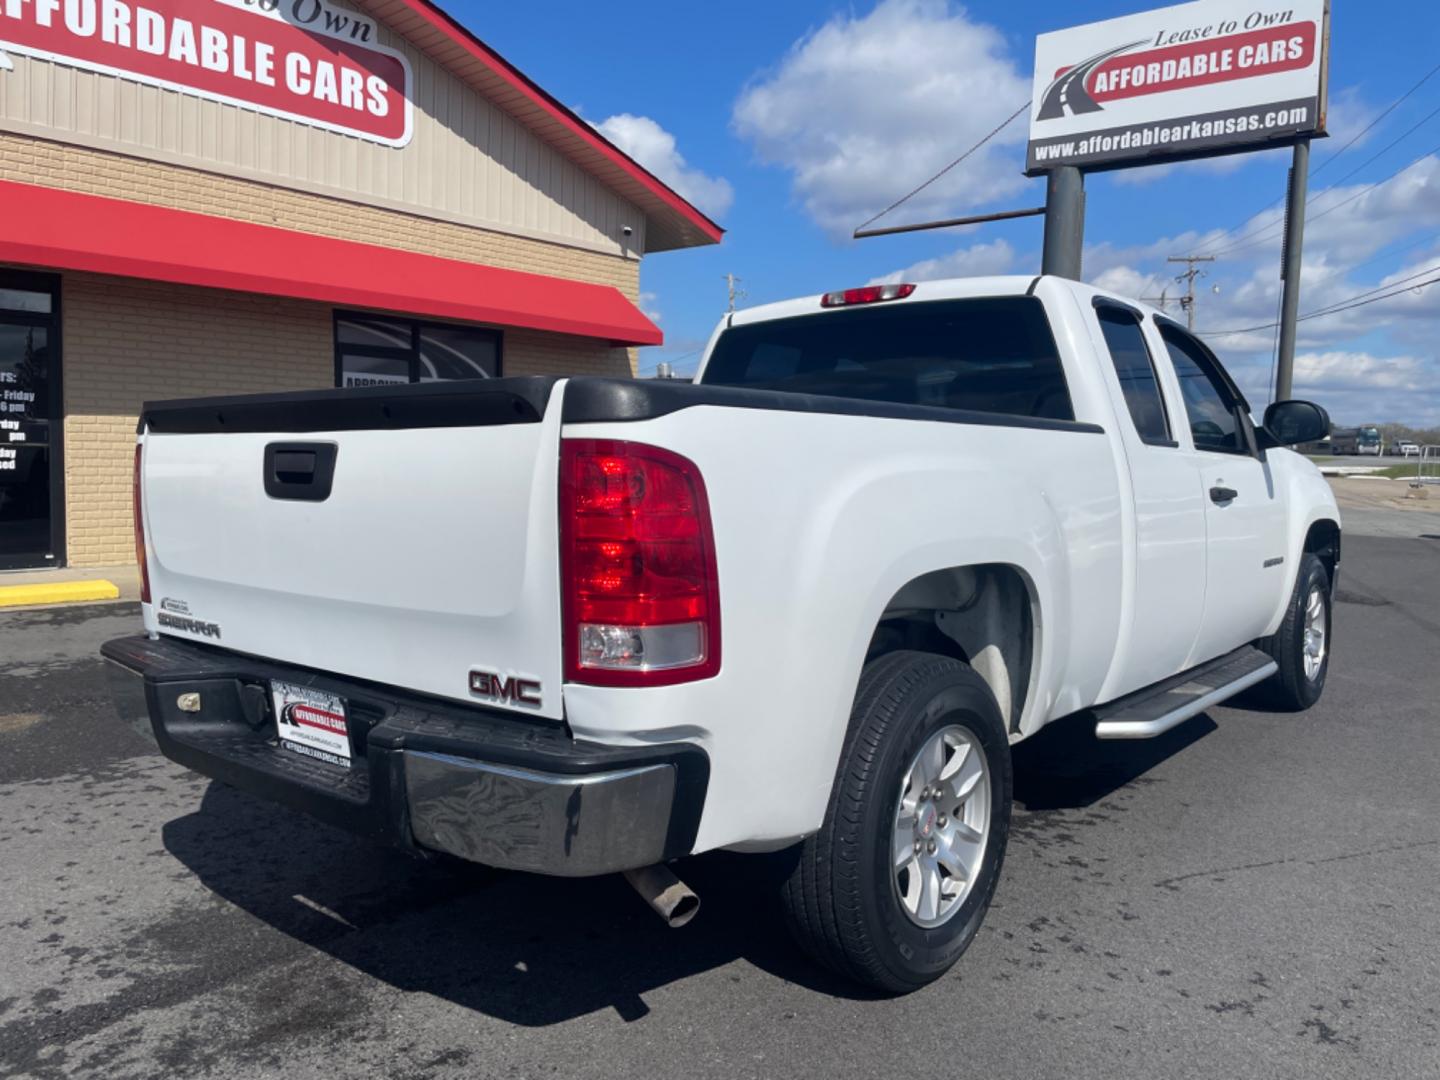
<point>870,294</point>
<point>642,601</point>
<point>140,534</point>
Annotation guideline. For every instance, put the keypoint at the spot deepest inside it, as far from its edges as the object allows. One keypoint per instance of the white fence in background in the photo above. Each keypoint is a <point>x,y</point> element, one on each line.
<point>1429,468</point>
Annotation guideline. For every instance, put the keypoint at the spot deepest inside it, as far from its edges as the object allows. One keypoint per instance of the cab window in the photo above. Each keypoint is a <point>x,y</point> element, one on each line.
<point>990,354</point>
<point>1136,371</point>
<point>1211,408</point>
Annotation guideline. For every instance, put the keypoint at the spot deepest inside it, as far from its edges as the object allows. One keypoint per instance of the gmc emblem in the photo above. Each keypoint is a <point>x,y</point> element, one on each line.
<point>511,691</point>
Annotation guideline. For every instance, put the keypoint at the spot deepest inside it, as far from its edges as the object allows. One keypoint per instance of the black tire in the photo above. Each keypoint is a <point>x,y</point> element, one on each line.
<point>841,898</point>
<point>1290,688</point>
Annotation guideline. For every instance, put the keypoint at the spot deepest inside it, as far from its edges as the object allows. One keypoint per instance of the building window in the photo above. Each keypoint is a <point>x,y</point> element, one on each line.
<point>377,350</point>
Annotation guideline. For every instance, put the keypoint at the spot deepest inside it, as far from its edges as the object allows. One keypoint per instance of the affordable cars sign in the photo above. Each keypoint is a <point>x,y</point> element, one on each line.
<point>1216,76</point>
<point>304,60</point>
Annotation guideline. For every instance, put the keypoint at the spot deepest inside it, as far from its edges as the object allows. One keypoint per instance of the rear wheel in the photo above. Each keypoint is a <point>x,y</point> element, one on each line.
<point>1301,647</point>
<point>893,888</point>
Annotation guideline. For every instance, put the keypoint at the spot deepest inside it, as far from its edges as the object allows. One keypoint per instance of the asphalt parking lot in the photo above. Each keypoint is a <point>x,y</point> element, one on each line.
<point>1253,895</point>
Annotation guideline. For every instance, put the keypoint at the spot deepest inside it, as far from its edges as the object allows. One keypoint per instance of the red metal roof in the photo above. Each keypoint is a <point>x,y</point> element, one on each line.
<point>67,230</point>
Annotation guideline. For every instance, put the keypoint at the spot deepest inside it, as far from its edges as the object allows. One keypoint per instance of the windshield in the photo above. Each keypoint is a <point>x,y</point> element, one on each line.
<point>994,355</point>
<point>1370,435</point>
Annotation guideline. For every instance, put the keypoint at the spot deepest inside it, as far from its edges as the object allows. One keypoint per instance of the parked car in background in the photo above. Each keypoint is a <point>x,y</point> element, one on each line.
<point>1407,449</point>
<point>806,603</point>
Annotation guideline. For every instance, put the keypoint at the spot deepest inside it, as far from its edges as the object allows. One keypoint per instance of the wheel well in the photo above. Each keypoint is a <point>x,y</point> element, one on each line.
<point>981,615</point>
<point>1323,541</point>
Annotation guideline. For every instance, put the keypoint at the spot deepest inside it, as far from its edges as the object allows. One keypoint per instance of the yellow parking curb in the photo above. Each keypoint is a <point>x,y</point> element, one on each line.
<point>59,592</point>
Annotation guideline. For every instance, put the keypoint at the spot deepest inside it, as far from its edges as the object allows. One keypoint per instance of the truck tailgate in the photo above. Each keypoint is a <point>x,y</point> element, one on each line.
<point>434,553</point>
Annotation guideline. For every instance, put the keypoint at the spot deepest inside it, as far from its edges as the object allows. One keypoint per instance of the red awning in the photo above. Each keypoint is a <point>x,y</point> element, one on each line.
<point>66,230</point>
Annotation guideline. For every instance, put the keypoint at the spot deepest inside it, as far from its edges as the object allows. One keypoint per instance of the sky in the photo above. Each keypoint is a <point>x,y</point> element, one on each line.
<point>792,123</point>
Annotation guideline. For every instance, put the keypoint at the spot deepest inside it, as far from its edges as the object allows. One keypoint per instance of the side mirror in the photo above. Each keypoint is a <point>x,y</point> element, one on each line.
<point>1289,423</point>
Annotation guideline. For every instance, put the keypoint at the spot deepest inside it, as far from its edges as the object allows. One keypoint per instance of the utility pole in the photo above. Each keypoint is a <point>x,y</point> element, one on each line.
<point>1188,277</point>
<point>1290,267</point>
<point>734,294</point>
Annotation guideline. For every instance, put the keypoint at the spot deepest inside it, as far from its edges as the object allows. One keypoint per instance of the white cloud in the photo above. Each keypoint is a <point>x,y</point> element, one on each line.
<point>1361,371</point>
<point>650,306</point>
<point>1348,116</point>
<point>1346,224</point>
<point>1125,281</point>
<point>1363,388</point>
<point>1345,227</point>
<point>654,147</point>
<point>1375,363</point>
<point>866,107</point>
<point>978,260</point>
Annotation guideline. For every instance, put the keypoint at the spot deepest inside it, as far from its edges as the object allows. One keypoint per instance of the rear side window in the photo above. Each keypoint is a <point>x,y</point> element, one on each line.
<point>993,355</point>
<point>1136,369</point>
<point>1209,405</point>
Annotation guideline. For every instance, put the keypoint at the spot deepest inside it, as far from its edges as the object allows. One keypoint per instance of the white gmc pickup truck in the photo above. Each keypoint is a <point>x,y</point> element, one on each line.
<point>808,602</point>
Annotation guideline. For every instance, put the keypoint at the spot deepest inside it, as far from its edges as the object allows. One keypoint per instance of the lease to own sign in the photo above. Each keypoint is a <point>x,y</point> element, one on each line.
<point>1215,76</point>
<point>299,59</point>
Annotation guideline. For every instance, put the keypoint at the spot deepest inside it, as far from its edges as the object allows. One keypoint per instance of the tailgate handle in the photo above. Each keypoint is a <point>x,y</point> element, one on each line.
<point>301,471</point>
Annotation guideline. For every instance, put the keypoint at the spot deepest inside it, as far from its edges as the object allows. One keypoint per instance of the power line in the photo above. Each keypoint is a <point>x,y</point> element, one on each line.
<point>1365,190</point>
<point>1370,126</point>
<point>1383,254</point>
<point>1379,288</point>
<point>901,201</point>
<point>1388,147</point>
<point>1328,161</point>
<point>1256,238</point>
<point>1375,299</point>
<point>1337,309</point>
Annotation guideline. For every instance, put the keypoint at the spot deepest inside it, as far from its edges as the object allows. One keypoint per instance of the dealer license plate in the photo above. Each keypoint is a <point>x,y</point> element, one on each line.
<point>312,722</point>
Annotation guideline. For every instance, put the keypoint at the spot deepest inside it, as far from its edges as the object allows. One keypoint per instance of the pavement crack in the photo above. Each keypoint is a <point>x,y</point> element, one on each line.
<point>1173,883</point>
<point>1388,850</point>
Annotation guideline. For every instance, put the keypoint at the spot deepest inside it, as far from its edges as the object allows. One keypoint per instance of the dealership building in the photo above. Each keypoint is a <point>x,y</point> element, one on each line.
<point>237,196</point>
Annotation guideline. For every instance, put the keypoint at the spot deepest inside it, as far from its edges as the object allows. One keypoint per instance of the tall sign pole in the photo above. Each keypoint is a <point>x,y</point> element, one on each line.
<point>1064,222</point>
<point>1196,80</point>
<point>1290,268</point>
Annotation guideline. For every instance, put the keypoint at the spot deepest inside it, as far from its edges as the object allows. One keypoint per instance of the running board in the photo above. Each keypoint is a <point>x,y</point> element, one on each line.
<point>1156,709</point>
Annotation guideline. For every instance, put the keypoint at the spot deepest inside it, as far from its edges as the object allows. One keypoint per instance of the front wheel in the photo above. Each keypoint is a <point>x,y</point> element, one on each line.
<point>1301,647</point>
<point>893,888</point>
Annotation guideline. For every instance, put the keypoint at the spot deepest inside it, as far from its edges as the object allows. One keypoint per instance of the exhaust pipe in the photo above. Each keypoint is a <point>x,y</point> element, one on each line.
<point>670,897</point>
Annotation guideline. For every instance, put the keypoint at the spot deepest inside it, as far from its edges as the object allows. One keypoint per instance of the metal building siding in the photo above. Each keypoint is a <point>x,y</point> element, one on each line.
<point>467,159</point>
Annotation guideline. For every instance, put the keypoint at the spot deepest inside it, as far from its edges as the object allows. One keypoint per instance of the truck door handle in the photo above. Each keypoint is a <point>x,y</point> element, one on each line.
<point>1220,495</point>
<point>300,471</point>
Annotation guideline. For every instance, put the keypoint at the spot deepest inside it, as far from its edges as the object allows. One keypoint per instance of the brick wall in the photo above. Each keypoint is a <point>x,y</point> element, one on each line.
<point>125,341</point>
<point>76,168</point>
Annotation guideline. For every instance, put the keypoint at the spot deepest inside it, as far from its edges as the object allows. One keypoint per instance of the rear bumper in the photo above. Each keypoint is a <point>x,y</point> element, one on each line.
<point>425,775</point>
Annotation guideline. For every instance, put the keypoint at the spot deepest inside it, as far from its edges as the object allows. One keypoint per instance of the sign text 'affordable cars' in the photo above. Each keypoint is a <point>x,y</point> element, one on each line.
<point>1180,67</point>
<point>1213,76</point>
<point>299,59</point>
